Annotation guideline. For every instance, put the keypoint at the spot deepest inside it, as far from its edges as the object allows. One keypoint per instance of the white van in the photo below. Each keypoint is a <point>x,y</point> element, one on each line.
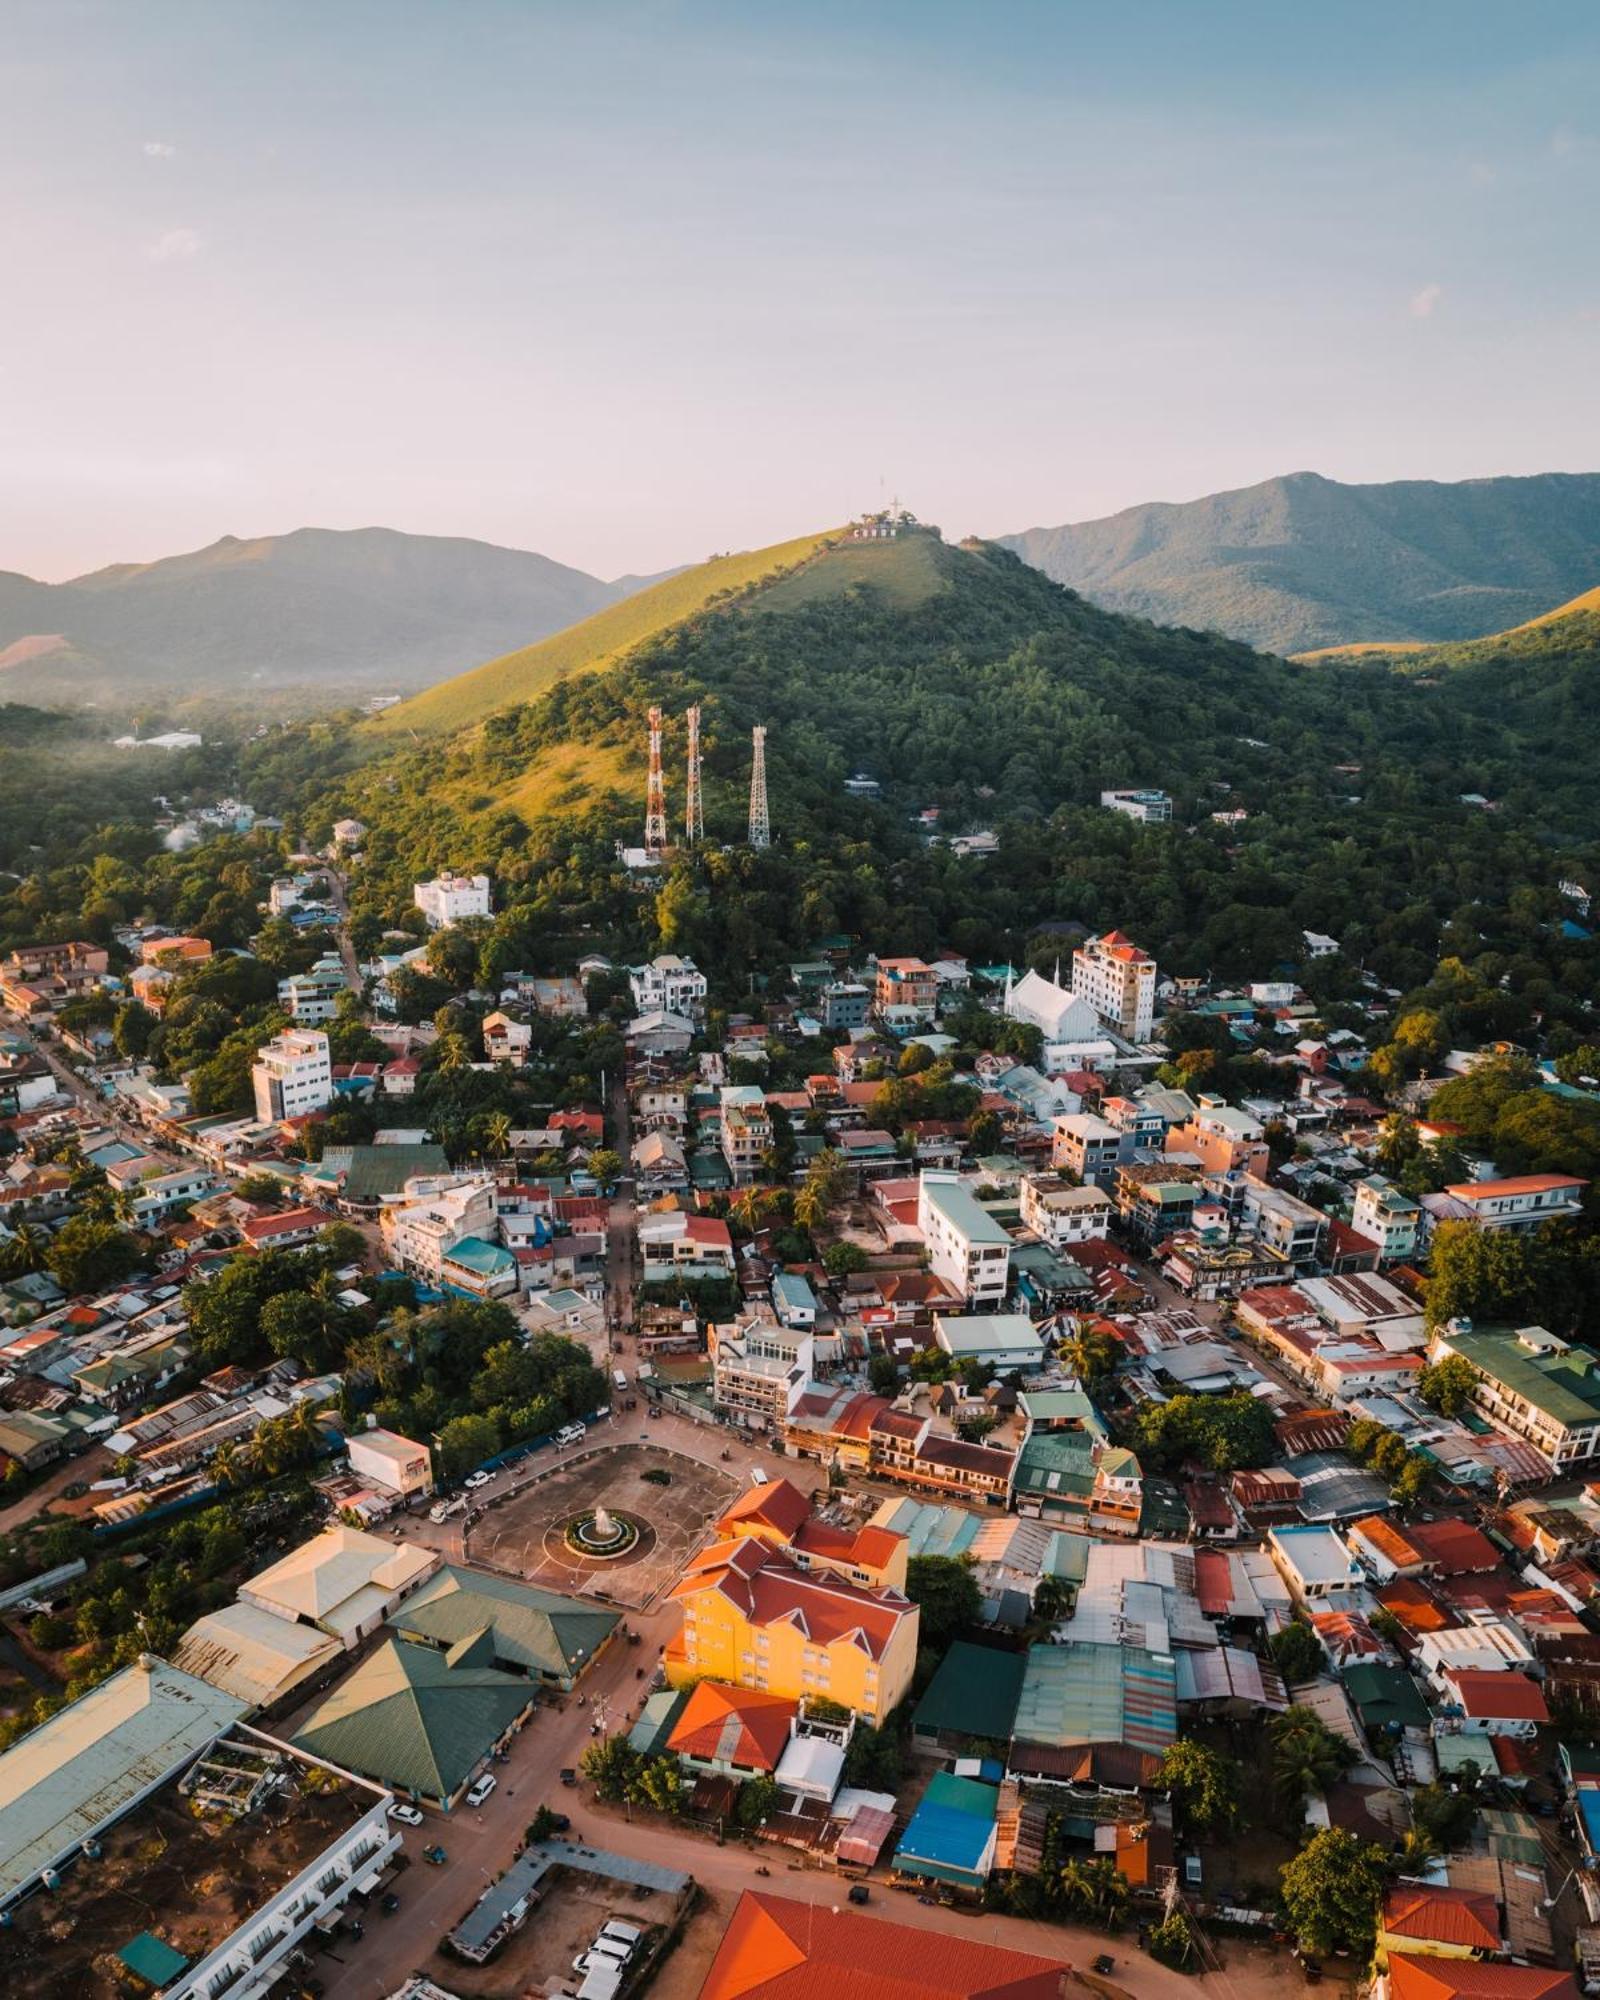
<point>571,1434</point>
<point>619,1378</point>
<point>628,1934</point>
<point>757,1476</point>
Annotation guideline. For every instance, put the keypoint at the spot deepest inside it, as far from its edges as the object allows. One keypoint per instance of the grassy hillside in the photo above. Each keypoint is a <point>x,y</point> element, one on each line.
<point>596,643</point>
<point>1303,563</point>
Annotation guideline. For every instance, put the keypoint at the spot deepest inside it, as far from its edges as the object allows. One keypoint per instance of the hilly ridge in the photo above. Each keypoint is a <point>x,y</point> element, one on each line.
<point>1302,563</point>
<point>330,611</point>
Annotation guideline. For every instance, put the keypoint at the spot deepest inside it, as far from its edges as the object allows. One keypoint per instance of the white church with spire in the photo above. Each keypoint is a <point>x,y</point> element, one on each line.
<point>1059,1014</point>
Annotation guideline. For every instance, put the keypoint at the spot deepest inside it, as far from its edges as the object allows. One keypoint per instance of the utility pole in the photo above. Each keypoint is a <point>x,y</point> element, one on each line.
<point>655,803</point>
<point>760,824</point>
<point>694,829</point>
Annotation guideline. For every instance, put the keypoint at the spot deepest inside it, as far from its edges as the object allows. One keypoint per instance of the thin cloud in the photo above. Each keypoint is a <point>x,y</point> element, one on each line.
<point>175,246</point>
<point>1423,302</point>
<point>158,149</point>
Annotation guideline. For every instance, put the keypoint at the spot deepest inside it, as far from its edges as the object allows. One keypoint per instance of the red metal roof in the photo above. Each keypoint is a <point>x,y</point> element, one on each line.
<point>1469,1918</point>
<point>775,1949</point>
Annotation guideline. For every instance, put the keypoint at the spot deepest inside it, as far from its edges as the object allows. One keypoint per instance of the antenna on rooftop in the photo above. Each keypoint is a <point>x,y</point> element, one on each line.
<point>760,824</point>
<point>655,801</point>
<point>694,828</point>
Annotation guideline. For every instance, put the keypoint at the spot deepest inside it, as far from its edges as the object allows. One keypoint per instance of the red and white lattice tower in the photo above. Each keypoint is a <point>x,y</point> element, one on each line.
<point>655,799</point>
<point>694,825</point>
<point>760,825</point>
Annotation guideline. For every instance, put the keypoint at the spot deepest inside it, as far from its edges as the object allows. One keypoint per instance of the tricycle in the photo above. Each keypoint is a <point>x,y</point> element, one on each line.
<point>436,1855</point>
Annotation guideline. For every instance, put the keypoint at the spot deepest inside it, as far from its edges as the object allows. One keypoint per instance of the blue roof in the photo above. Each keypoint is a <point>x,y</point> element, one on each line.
<point>1589,1813</point>
<point>791,1291</point>
<point>950,1830</point>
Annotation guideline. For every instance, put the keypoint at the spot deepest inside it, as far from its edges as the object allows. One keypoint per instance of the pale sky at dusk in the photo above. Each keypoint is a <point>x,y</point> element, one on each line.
<point>628,283</point>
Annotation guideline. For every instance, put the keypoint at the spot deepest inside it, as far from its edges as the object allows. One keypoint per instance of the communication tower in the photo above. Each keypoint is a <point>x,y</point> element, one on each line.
<point>760,825</point>
<point>655,802</point>
<point>694,826</point>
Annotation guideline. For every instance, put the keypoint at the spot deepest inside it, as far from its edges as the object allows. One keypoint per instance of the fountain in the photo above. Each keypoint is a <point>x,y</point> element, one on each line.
<point>601,1535</point>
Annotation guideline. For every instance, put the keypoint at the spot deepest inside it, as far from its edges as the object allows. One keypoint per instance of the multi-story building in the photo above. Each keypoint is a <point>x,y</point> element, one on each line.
<point>760,1368</point>
<point>669,985</point>
<point>845,1004</point>
<point>38,977</point>
<point>313,996</point>
<point>746,1130</point>
<point>448,898</point>
<point>1222,1139</point>
<point>397,1464</point>
<point>1060,1212</point>
<point>906,990</point>
<point>1532,1384</point>
<point>753,1617</point>
<point>434,1214</point>
<point>1151,808</point>
<point>674,1245</point>
<point>1385,1216</point>
<point>967,1248</point>
<point>292,1075</point>
<point>505,1040</point>
<point>1522,1202</point>
<point>1119,982</point>
<point>1281,1221</point>
<point>1089,1148</point>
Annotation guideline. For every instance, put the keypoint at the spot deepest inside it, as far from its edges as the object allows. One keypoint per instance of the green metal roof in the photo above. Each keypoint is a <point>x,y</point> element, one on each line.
<point>372,1171</point>
<point>536,1631</point>
<point>153,1960</point>
<point>973,1693</point>
<point>409,1719</point>
<point>1564,1386</point>
<point>1384,1694</point>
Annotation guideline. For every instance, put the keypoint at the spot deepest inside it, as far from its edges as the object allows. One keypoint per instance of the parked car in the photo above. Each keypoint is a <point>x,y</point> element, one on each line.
<point>859,1893</point>
<point>568,1775</point>
<point>407,1815</point>
<point>474,1480</point>
<point>481,1790</point>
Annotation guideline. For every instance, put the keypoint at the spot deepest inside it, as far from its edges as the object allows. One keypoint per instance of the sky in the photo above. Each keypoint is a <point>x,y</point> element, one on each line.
<point>632,281</point>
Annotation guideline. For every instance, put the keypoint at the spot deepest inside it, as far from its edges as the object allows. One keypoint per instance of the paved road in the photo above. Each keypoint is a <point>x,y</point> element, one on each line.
<point>338,896</point>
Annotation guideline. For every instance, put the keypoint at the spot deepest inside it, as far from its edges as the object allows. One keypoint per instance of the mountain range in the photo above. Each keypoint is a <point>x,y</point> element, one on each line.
<point>1301,562</point>
<point>320,610</point>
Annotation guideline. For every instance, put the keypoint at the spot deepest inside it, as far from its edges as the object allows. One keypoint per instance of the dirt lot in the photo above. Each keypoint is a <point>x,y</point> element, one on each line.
<point>540,1955</point>
<point>523,1534</point>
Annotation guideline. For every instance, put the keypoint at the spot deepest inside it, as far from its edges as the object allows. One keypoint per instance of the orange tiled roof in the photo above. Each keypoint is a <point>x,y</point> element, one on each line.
<point>867,1547</point>
<point>775,1949</point>
<point>778,1505</point>
<point>766,1589</point>
<point>733,1725</point>
<point>1514,1184</point>
<point>1414,1978</point>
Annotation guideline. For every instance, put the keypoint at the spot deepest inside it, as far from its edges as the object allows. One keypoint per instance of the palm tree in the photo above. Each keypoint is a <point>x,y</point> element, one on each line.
<point>1416,1851</point>
<point>1077,1886</point>
<point>26,1251</point>
<point>1306,1755</point>
<point>497,1133</point>
<point>1108,1891</point>
<point>230,1466</point>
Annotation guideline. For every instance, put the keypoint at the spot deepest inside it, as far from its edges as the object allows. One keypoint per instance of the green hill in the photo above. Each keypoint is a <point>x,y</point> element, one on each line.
<point>1303,563</point>
<point>595,643</point>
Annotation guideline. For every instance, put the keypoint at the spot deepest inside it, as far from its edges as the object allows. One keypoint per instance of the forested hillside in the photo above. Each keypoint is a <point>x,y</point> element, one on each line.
<point>1303,562</point>
<point>964,679</point>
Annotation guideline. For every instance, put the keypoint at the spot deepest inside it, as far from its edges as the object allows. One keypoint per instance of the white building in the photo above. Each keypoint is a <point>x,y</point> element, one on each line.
<point>292,1075</point>
<point>1317,1567</point>
<point>669,985</point>
<point>967,1248</point>
<point>1149,807</point>
<point>1385,1216</point>
<point>1319,944</point>
<point>1118,981</point>
<point>432,1215</point>
<point>506,1040</point>
<point>449,898</point>
<point>1059,1014</point>
<point>1004,1340</point>
<point>396,1464</point>
<point>1061,1213</point>
<point>343,1581</point>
